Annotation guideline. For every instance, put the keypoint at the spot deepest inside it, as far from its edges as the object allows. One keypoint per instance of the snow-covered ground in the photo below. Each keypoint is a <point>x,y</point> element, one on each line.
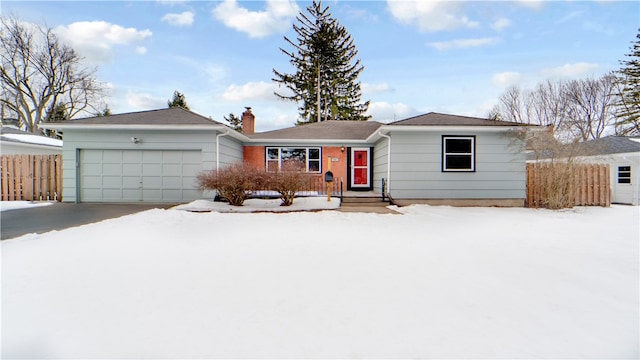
<point>258,205</point>
<point>436,282</point>
<point>15,205</point>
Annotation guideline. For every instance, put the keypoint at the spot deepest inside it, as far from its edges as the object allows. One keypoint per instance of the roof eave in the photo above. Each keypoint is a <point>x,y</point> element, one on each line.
<point>212,127</point>
<point>386,129</point>
<point>308,141</point>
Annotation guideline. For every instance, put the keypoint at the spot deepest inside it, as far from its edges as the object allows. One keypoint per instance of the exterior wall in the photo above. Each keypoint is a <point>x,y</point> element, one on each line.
<point>14,148</point>
<point>256,156</point>
<point>380,161</point>
<point>205,141</point>
<point>416,168</point>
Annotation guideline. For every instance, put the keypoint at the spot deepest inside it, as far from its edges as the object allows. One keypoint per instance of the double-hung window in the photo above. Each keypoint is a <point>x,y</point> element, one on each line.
<point>624,174</point>
<point>458,153</point>
<point>308,158</point>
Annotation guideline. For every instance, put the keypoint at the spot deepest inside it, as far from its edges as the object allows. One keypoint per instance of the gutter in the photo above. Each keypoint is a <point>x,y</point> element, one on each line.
<point>388,137</point>
<point>218,148</point>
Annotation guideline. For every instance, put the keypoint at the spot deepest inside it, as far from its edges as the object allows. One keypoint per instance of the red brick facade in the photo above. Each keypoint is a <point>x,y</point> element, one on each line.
<point>256,156</point>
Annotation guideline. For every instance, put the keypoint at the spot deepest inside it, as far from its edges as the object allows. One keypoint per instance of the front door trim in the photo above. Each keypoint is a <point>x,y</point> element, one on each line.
<point>356,168</point>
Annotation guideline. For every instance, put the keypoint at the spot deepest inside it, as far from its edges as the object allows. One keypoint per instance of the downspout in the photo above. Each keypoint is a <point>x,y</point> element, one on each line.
<point>218,148</point>
<point>388,161</point>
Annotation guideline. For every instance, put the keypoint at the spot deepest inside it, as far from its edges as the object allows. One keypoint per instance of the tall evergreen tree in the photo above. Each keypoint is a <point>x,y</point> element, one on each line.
<point>234,121</point>
<point>325,84</point>
<point>179,100</point>
<point>56,113</point>
<point>628,114</point>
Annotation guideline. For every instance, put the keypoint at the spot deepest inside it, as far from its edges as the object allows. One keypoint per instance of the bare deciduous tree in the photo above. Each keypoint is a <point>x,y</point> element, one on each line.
<point>591,107</point>
<point>39,72</point>
<point>579,110</point>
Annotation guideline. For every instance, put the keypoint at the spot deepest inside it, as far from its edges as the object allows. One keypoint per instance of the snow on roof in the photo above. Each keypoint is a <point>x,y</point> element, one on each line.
<point>32,139</point>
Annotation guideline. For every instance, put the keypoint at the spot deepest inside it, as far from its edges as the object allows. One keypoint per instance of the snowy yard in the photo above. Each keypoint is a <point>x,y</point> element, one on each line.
<point>436,282</point>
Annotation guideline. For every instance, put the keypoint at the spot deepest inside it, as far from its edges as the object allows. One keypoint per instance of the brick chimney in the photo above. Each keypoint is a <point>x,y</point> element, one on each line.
<point>248,122</point>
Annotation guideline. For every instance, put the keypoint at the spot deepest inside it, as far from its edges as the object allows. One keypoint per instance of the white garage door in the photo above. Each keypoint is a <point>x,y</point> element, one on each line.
<point>139,175</point>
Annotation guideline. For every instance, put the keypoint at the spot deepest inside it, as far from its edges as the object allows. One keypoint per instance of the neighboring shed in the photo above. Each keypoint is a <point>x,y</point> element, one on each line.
<point>623,156</point>
<point>149,156</point>
<point>14,141</point>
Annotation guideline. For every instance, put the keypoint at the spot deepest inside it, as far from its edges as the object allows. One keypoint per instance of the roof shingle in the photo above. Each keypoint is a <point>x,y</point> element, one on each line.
<point>325,130</point>
<point>437,119</point>
<point>169,116</point>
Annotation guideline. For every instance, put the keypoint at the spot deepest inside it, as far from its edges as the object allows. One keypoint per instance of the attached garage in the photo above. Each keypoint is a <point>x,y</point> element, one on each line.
<point>149,156</point>
<point>139,175</point>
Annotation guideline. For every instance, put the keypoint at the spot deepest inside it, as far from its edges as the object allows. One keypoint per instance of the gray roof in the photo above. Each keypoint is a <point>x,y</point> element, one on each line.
<point>437,119</point>
<point>325,130</point>
<point>168,116</point>
<point>611,145</point>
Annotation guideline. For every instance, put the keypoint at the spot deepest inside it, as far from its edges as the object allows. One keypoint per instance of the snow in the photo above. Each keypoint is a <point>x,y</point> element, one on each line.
<point>435,282</point>
<point>34,139</point>
<point>257,205</point>
<point>14,205</point>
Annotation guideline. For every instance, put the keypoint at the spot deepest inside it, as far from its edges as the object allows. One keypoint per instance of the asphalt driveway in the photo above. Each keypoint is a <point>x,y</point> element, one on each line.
<point>14,223</point>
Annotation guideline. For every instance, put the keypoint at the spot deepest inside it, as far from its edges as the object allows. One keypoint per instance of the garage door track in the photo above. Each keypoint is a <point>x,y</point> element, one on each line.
<point>14,223</point>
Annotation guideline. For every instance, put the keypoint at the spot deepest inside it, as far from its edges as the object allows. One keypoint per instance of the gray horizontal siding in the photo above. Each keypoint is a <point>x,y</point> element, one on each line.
<point>416,166</point>
<point>204,141</point>
<point>380,161</point>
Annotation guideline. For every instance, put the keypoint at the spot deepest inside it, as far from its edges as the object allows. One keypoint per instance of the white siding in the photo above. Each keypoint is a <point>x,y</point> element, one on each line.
<point>15,148</point>
<point>203,142</point>
<point>416,167</point>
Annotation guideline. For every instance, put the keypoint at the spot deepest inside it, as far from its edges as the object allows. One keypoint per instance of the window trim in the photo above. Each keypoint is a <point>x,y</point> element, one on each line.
<point>307,160</point>
<point>626,176</point>
<point>472,154</point>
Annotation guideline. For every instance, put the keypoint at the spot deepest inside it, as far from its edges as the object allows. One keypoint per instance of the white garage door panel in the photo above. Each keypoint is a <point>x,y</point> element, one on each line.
<point>139,175</point>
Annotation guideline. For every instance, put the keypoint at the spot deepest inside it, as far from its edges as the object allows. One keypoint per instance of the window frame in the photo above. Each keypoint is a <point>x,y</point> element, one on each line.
<point>626,178</point>
<point>445,154</point>
<point>307,150</point>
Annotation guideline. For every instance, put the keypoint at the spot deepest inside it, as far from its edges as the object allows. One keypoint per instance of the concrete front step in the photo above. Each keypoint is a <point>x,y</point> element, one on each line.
<point>365,200</point>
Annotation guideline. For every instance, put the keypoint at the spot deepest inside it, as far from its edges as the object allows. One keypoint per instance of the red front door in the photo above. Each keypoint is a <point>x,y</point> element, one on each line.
<point>360,167</point>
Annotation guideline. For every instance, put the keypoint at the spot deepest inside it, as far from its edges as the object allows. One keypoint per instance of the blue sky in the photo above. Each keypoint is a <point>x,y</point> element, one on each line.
<point>454,57</point>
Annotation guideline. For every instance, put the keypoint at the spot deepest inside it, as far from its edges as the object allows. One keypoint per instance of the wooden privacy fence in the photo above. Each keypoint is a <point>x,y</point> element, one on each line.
<point>31,177</point>
<point>560,185</point>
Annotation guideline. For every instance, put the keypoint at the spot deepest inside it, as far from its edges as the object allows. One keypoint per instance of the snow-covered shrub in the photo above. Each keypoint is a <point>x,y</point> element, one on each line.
<point>288,180</point>
<point>235,182</point>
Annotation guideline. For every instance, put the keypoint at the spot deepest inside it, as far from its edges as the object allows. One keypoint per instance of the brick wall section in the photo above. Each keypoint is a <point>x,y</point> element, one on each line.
<point>255,155</point>
<point>338,168</point>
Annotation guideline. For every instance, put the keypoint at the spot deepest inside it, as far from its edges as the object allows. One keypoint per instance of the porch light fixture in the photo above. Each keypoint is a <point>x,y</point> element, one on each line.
<point>342,148</point>
<point>136,140</point>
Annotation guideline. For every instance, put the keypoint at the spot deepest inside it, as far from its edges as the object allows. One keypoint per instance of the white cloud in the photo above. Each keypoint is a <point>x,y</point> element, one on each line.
<point>387,112</point>
<point>375,88</point>
<point>182,19</point>
<point>250,91</point>
<point>95,39</point>
<point>145,101</point>
<point>141,50</point>
<point>501,24</point>
<point>462,43</point>
<point>430,15</point>
<point>257,24</point>
<point>571,70</point>
<point>532,4</point>
<point>506,79</point>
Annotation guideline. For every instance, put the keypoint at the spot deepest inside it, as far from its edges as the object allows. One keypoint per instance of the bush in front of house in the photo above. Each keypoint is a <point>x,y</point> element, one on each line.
<point>234,183</point>
<point>290,179</point>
